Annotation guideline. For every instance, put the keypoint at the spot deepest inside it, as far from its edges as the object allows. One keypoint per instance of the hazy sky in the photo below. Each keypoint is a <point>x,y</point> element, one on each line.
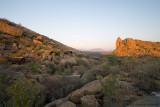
<point>87,24</point>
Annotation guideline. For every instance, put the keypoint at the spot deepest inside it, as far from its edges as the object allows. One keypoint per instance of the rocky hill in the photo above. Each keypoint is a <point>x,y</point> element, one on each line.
<point>17,41</point>
<point>135,48</point>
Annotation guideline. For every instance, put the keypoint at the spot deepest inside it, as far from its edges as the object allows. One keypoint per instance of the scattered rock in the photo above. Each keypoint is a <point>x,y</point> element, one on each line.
<point>37,41</point>
<point>39,37</point>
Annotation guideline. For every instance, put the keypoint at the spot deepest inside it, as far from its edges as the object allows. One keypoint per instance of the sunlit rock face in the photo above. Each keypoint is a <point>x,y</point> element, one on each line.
<point>136,48</point>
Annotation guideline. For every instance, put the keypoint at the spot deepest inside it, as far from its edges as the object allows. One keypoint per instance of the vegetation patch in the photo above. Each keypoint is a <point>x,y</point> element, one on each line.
<point>109,89</point>
<point>24,92</point>
<point>67,72</point>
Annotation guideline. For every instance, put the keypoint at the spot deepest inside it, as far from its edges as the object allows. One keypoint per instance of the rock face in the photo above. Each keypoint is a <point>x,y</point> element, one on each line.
<point>134,48</point>
<point>118,42</point>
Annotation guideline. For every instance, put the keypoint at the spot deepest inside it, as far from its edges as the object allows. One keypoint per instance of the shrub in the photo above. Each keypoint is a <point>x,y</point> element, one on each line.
<point>146,74</point>
<point>34,67</point>
<point>144,80</point>
<point>3,95</point>
<point>57,52</point>
<point>109,89</point>
<point>52,68</point>
<point>128,64</point>
<point>112,58</point>
<point>106,69</point>
<point>24,93</point>
<point>57,89</point>
<point>67,72</point>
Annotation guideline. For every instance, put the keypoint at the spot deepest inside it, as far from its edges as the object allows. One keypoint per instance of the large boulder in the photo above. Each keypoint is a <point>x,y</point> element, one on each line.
<point>61,103</point>
<point>67,104</point>
<point>55,103</point>
<point>88,89</point>
<point>89,101</point>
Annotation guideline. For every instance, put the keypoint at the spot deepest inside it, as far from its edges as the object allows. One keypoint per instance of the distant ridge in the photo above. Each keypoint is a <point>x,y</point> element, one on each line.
<point>135,48</point>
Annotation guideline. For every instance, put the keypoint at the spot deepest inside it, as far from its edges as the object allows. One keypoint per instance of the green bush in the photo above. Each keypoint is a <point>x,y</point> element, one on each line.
<point>57,53</point>
<point>24,93</point>
<point>67,72</point>
<point>3,95</point>
<point>106,69</point>
<point>112,58</point>
<point>34,67</point>
<point>109,89</point>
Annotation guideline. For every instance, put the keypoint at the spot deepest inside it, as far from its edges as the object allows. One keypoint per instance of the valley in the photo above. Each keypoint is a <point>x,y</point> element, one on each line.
<point>36,71</point>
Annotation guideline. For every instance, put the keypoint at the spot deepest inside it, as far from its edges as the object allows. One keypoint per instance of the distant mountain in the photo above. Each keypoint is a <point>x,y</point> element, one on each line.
<point>135,48</point>
<point>97,50</point>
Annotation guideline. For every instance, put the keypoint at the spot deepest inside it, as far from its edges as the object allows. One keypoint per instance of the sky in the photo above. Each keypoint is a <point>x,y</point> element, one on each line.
<point>87,24</point>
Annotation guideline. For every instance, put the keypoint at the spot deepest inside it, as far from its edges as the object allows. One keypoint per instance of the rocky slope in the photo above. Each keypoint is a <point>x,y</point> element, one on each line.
<point>17,41</point>
<point>134,48</point>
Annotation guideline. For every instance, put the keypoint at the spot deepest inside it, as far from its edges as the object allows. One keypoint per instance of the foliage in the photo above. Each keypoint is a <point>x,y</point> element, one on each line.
<point>144,80</point>
<point>52,68</point>
<point>106,69</point>
<point>34,67</point>
<point>112,58</point>
<point>3,96</point>
<point>24,93</point>
<point>57,52</point>
<point>61,88</point>
<point>40,47</point>
<point>146,74</point>
<point>67,72</point>
<point>21,54</point>
<point>109,89</point>
<point>128,64</point>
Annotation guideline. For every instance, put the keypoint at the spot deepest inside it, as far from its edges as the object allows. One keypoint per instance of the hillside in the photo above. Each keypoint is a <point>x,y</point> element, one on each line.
<point>135,48</point>
<point>18,41</point>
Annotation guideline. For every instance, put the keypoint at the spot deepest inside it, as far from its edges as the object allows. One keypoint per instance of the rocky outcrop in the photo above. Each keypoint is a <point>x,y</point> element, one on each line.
<point>118,42</point>
<point>136,48</point>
